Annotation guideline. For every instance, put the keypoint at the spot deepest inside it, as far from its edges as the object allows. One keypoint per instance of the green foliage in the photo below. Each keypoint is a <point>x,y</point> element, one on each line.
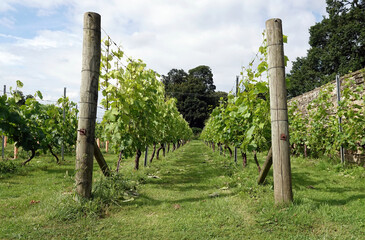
<point>244,120</point>
<point>8,167</point>
<point>319,129</point>
<point>34,126</point>
<point>137,113</point>
<point>195,93</point>
<point>337,46</point>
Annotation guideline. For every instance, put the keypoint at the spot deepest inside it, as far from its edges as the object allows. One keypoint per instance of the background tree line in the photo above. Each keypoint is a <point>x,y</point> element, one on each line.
<point>337,45</point>
<point>195,93</point>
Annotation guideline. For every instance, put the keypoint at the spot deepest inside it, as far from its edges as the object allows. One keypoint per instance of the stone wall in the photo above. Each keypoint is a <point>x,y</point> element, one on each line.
<point>304,99</point>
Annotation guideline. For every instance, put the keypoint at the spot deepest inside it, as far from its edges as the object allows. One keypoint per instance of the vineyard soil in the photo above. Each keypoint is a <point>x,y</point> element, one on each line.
<point>192,193</point>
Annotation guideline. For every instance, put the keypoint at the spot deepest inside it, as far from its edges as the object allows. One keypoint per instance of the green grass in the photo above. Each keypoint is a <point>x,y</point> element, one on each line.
<point>192,193</point>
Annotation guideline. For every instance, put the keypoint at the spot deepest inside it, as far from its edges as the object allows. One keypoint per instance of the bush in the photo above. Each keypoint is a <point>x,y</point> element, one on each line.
<point>8,167</point>
<point>107,192</point>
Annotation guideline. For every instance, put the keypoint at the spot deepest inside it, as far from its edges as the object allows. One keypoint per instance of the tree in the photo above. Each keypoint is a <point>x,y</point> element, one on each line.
<point>195,93</point>
<point>337,46</point>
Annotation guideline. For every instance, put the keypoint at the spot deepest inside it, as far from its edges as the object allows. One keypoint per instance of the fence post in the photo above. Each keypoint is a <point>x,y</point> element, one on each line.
<point>338,88</point>
<point>15,152</point>
<point>88,103</point>
<point>64,120</point>
<point>279,112</point>
<point>235,148</point>
<point>145,157</point>
<point>3,137</point>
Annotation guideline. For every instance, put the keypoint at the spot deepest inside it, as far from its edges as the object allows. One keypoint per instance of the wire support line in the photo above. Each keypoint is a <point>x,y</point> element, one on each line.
<point>257,54</point>
<point>88,70</point>
<point>275,44</point>
<point>281,67</point>
<point>118,59</point>
<point>92,29</point>
<point>113,42</point>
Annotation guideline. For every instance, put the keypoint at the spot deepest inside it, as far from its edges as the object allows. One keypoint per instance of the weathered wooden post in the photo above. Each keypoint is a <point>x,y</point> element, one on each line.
<point>279,112</point>
<point>235,148</point>
<point>15,152</point>
<point>145,156</point>
<point>106,146</point>
<point>3,137</point>
<point>64,120</point>
<point>88,103</point>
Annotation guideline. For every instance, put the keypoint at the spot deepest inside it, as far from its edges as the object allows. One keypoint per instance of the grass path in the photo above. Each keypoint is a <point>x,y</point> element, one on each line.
<point>187,197</point>
<point>192,193</point>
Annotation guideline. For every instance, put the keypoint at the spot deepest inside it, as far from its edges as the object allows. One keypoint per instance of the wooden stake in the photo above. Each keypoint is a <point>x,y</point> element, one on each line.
<point>265,168</point>
<point>101,161</point>
<point>64,120</point>
<point>15,152</point>
<point>88,104</point>
<point>279,113</point>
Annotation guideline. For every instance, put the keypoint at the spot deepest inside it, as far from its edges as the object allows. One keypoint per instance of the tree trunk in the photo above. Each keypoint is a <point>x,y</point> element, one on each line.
<point>153,153</point>
<point>31,157</point>
<point>158,151</point>
<point>163,150</point>
<point>256,161</point>
<point>168,147</point>
<point>173,147</point>
<point>244,159</point>
<point>119,160</point>
<point>213,146</point>
<point>229,149</point>
<point>54,155</point>
<point>136,161</point>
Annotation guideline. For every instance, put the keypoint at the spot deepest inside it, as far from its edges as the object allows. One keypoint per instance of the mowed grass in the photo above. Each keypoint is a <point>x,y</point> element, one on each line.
<point>192,193</point>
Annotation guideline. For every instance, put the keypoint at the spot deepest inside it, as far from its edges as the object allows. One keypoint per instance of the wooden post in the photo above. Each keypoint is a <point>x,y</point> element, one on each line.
<point>279,113</point>
<point>15,152</point>
<point>88,103</point>
<point>145,157</point>
<point>101,161</point>
<point>235,148</point>
<point>338,88</point>
<point>3,137</point>
<point>5,141</point>
<point>265,168</point>
<point>106,146</point>
<point>98,142</point>
<point>64,119</point>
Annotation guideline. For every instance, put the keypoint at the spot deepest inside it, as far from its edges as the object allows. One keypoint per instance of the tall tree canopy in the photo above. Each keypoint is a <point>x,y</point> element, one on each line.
<point>195,93</point>
<point>337,46</point>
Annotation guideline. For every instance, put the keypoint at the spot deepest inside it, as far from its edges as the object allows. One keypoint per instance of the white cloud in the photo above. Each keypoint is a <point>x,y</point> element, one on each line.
<point>7,22</point>
<point>48,39</point>
<point>7,58</point>
<point>223,34</point>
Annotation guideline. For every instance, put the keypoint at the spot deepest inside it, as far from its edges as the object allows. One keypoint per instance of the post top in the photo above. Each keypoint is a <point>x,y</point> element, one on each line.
<point>92,20</point>
<point>274,20</point>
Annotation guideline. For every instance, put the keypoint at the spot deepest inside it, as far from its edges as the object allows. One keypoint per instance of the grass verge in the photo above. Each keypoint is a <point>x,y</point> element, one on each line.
<point>192,193</point>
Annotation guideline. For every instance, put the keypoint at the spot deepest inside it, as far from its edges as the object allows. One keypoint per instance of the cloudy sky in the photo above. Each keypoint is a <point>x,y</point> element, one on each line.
<point>41,40</point>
